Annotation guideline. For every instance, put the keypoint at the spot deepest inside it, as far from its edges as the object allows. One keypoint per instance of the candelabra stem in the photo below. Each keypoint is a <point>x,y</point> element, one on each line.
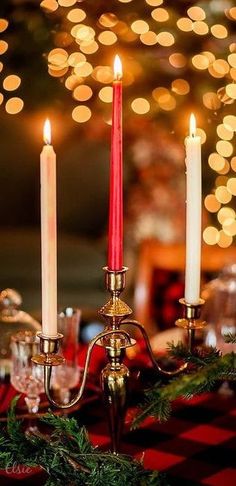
<point>191,338</point>
<point>114,382</point>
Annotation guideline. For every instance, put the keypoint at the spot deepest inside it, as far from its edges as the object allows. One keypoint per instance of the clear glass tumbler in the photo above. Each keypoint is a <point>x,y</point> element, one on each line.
<point>67,375</point>
<point>26,376</point>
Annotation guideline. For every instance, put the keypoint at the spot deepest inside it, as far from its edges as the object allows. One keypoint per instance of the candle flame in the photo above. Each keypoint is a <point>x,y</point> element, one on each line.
<point>117,68</point>
<point>47,132</point>
<point>192,125</point>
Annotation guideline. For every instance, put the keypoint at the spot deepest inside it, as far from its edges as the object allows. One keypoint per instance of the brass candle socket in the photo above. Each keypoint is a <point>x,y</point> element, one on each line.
<point>49,347</point>
<point>191,320</point>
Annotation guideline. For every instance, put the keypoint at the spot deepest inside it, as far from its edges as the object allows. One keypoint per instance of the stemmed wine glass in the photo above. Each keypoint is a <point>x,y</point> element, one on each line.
<point>67,375</point>
<point>26,376</point>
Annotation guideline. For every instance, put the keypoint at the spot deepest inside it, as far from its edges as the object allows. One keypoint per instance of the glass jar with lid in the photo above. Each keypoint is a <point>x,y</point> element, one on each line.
<point>12,320</point>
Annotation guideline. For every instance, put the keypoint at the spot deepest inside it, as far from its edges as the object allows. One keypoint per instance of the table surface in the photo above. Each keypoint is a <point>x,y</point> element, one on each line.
<point>196,446</point>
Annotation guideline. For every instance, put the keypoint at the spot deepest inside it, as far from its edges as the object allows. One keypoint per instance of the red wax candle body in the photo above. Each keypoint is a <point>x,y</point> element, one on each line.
<point>115,236</point>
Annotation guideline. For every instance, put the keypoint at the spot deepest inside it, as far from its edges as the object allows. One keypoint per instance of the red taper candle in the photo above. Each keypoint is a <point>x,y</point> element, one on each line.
<point>115,235</point>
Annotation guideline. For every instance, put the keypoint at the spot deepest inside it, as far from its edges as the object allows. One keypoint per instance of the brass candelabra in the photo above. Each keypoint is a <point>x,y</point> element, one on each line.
<point>115,339</point>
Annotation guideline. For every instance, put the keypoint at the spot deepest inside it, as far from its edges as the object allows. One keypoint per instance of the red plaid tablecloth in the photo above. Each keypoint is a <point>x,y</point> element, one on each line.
<point>196,446</point>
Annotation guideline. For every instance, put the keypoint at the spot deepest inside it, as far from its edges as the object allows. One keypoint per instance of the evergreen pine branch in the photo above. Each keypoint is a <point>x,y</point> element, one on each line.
<point>68,457</point>
<point>199,356</point>
<point>158,399</point>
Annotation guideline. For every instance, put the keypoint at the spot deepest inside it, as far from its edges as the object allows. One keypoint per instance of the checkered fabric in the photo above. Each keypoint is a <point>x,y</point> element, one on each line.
<point>196,446</point>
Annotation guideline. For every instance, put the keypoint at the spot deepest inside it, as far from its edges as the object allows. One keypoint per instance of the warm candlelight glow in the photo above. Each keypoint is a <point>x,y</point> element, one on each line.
<point>192,125</point>
<point>117,68</point>
<point>47,132</point>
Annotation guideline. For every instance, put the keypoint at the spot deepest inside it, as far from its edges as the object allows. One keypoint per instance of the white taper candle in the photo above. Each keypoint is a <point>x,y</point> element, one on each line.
<point>193,215</point>
<point>48,235</point>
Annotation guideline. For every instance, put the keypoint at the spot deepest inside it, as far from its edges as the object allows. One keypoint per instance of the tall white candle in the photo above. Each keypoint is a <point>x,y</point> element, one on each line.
<point>193,215</point>
<point>48,235</point>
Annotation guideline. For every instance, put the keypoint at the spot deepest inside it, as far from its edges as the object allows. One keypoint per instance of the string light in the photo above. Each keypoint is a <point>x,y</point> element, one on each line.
<point>156,32</point>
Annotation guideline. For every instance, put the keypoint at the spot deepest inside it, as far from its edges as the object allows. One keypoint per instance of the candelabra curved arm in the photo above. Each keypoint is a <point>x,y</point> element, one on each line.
<point>76,399</point>
<point>150,352</point>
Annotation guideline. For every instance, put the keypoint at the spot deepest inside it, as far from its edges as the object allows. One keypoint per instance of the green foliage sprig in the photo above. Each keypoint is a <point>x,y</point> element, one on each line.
<point>208,368</point>
<point>68,457</point>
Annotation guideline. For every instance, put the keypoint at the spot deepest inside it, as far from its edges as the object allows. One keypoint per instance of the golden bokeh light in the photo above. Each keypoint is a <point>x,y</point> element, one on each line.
<point>14,105</point>
<point>160,14</point>
<point>103,74</point>
<point>231,90</point>
<point>224,148</point>
<point>196,13</point>
<point>76,58</point>
<point>210,56</point>
<point>185,24</point>
<point>223,195</point>
<point>58,56</point>
<point>225,213</point>
<point>200,27</point>
<point>108,20</point>
<point>200,61</point>
<point>232,59</point>
<point>83,70</point>
<point>67,3</point>
<point>105,94</point>
<point>140,106</point>
<point>233,164</point>
<point>3,47</point>
<point>57,72</point>
<point>211,235</point>
<point>177,60</point>
<point>149,38</point>
<point>81,114</point>
<point>224,133</point>
<point>232,12</point>
<point>82,92</point>
<point>219,31</point>
<point>49,5</point>
<point>140,27</point>
<point>72,82</point>
<point>1,98</point>
<point>202,134</point>
<point>11,82</point>
<point>89,48</point>
<point>211,203</point>
<point>233,73</point>
<point>229,227</point>
<point>216,161</point>
<point>231,185</point>
<point>107,38</point>
<point>165,39</point>
<point>219,68</point>
<point>154,3</point>
<point>225,169</point>
<point>160,91</point>
<point>76,15</point>
<point>180,86</point>
<point>224,240</point>
<point>230,122</point>
<point>3,25</point>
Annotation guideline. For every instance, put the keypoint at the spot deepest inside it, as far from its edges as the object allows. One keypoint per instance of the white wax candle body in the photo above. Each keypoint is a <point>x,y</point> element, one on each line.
<point>193,219</point>
<point>48,240</point>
